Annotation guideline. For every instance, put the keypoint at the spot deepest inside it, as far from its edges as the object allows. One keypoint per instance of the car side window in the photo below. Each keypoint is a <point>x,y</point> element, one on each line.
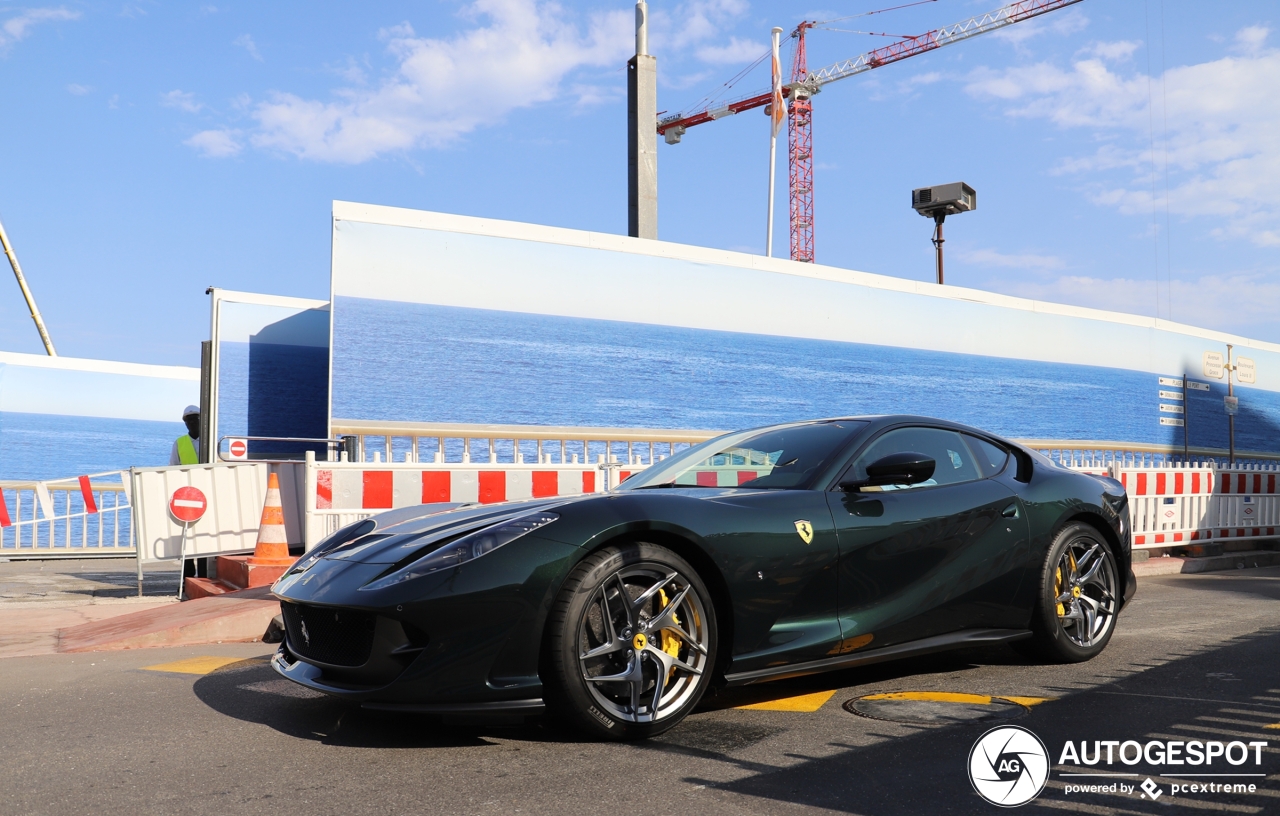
<point>953,462</point>
<point>990,458</point>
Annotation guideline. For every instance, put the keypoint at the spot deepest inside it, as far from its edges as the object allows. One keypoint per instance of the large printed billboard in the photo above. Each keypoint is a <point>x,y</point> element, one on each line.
<point>62,416</point>
<point>442,318</point>
<point>270,369</point>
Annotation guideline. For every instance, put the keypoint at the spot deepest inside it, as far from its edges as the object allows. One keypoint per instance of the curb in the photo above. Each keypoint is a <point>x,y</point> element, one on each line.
<point>230,618</point>
<point>1174,565</point>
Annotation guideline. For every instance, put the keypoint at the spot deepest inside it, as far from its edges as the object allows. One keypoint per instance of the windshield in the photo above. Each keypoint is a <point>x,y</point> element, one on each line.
<point>779,458</point>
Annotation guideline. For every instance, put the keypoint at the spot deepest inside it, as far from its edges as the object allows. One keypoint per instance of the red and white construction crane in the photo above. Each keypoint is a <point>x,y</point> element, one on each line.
<point>805,83</point>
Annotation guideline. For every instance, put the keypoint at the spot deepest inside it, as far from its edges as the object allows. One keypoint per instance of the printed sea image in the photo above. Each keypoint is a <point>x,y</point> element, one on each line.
<point>400,361</point>
<point>35,447</point>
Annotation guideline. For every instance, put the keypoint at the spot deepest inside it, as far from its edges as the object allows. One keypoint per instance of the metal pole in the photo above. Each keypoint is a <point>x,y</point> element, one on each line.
<point>182,560</point>
<point>642,134</point>
<point>26,293</point>
<point>938,218</point>
<point>1186,420</point>
<point>773,141</point>
<point>1231,418</point>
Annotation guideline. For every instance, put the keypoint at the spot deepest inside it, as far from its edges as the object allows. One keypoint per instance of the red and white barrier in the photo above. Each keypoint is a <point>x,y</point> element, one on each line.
<point>365,487</point>
<point>1177,506</point>
<point>338,493</point>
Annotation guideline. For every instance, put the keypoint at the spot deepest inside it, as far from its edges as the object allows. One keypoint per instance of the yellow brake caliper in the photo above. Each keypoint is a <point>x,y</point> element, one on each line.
<point>1057,583</point>
<point>670,642</point>
<point>1057,590</point>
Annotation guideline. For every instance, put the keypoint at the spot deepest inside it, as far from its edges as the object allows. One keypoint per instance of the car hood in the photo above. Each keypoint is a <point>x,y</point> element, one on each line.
<point>410,532</point>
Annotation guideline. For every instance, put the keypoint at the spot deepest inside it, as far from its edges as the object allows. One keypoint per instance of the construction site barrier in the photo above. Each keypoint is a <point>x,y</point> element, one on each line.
<point>235,494</point>
<point>339,493</point>
<point>79,517</point>
<point>1175,506</point>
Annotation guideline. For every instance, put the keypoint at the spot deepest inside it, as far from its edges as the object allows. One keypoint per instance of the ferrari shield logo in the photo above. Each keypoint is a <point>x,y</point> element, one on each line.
<point>805,530</point>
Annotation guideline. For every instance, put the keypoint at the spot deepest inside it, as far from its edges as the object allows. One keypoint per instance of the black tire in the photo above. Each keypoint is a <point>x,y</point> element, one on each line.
<point>577,628</point>
<point>1057,636</point>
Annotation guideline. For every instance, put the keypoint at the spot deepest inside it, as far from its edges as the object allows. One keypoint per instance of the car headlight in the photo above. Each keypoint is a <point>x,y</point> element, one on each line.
<point>467,548</point>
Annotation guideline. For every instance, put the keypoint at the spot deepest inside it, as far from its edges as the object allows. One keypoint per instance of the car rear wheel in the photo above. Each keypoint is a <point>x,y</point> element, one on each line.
<point>631,643</point>
<point>1079,598</point>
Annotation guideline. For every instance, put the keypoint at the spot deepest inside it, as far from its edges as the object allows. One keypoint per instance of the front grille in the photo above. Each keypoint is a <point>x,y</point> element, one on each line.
<point>339,637</point>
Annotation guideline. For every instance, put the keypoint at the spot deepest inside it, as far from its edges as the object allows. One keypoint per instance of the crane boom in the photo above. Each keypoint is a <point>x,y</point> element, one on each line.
<point>895,52</point>
<point>910,47</point>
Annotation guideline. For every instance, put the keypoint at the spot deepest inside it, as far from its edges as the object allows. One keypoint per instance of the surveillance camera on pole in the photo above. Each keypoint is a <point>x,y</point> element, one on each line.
<point>938,202</point>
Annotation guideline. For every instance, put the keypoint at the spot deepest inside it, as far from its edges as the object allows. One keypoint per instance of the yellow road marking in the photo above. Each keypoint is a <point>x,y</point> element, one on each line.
<point>804,702</point>
<point>1272,726</point>
<point>194,665</point>
<point>1028,701</point>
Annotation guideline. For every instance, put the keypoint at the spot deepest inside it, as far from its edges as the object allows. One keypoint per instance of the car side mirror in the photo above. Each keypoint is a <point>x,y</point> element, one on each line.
<point>895,469</point>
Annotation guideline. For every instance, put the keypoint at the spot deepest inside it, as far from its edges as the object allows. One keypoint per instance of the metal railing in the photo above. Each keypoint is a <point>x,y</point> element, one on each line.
<point>443,442</point>
<point>1096,454</point>
<point>544,444</point>
<point>77,517</point>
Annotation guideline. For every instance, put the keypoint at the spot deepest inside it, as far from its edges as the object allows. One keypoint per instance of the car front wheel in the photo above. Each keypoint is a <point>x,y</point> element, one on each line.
<point>1079,598</point>
<point>631,643</point>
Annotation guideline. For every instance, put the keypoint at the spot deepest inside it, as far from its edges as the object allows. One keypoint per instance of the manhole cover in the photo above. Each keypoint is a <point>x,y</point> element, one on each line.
<point>934,707</point>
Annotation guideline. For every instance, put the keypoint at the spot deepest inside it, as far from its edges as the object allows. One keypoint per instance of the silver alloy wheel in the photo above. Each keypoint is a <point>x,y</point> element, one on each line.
<point>1085,586</point>
<point>643,642</point>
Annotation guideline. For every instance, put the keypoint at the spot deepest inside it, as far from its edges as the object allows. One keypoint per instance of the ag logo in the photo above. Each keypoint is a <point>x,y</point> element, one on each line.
<point>805,530</point>
<point>1008,766</point>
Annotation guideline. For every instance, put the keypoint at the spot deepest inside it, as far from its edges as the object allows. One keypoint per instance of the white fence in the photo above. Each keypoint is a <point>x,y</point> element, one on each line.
<point>79,517</point>
<point>235,494</point>
<point>445,443</point>
<point>1176,506</point>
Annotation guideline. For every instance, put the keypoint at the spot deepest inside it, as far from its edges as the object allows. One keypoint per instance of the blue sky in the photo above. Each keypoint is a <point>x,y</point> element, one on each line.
<point>1125,154</point>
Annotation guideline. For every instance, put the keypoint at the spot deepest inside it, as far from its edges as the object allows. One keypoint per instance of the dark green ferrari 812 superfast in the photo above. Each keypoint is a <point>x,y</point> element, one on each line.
<point>840,542</point>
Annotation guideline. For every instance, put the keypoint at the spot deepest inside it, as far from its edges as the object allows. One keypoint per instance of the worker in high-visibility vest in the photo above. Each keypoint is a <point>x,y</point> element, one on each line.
<point>185,450</point>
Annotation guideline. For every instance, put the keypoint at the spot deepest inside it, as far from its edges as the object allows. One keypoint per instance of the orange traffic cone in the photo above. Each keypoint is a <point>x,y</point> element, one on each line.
<point>272,549</point>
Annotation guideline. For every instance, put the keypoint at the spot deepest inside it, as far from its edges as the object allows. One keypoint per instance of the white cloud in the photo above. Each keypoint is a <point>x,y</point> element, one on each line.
<point>734,52</point>
<point>182,100</point>
<point>215,144</point>
<point>76,89</point>
<point>1251,39</point>
<point>1028,261</point>
<point>590,96</point>
<point>1117,51</point>
<point>1222,144</point>
<point>246,42</point>
<point>692,23</point>
<point>445,88</point>
<point>17,28</point>
<point>1212,301</point>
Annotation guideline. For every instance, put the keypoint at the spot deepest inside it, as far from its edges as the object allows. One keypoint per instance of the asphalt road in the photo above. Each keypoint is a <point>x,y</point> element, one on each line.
<point>1194,657</point>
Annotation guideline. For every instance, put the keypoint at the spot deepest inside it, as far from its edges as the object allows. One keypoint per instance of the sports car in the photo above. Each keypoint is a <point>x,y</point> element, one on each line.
<point>762,554</point>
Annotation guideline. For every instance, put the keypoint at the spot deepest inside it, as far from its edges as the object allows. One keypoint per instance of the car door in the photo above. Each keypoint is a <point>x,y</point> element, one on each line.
<point>932,558</point>
<point>778,553</point>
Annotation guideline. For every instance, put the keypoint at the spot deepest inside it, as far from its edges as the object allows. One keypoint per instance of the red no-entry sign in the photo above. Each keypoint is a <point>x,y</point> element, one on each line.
<point>188,504</point>
<point>238,449</point>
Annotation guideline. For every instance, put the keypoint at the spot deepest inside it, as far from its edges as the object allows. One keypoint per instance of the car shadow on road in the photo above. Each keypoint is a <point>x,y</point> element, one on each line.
<point>251,690</point>
<point>1225,693</point>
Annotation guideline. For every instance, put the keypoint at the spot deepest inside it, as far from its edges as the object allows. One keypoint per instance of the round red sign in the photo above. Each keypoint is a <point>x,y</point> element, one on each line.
<point>238,448</point>
<point>188,504</point>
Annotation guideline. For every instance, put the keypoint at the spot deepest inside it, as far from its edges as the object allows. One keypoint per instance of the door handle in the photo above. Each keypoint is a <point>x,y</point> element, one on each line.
<point>1011,511</point>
